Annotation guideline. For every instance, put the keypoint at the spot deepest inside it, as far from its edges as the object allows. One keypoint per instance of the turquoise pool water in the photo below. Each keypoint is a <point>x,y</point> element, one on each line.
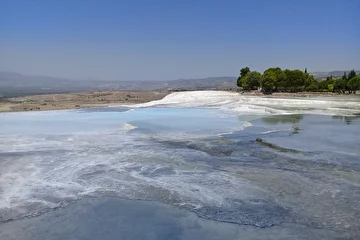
<point>199,160</point>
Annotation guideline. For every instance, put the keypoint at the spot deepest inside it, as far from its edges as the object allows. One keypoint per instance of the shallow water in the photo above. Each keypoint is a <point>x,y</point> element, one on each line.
<point>203,160</point>
<point>111,218</point>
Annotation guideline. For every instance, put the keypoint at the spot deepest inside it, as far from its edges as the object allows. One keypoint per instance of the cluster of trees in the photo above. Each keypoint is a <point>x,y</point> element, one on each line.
<point>347,83</point>
<point>276,79</point>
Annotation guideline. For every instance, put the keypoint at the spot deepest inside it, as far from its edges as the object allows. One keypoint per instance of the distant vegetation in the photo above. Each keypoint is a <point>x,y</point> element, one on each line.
<point>278,80</point>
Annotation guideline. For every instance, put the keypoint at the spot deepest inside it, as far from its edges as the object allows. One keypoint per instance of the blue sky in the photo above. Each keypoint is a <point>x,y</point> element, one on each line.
<point>162,40</point>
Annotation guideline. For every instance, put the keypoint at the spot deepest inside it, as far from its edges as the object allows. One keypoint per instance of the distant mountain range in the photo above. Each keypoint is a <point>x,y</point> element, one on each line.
<point>15,84</point>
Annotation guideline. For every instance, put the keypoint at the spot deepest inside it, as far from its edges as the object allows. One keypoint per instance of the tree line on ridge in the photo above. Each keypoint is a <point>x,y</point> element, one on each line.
<point>278,80</point>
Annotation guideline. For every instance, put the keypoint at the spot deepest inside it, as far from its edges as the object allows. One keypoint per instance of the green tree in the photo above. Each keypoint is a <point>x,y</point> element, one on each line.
<point>354,84</point>
<point>314,86</point>
<point>305,70</point>
<point>286,84</point>
<point>308,80</point>
<point>344,77</point>
<point>243,83</point>
<point>351,75</point>
<point>268,81</point>
<point>238,81</point>
<point>295,79</point>
<point>243,73</point>
<point>252,80</point>
<point>324,84</point>
<point>277,78</point>
<point>340,85</point>
<point>331,87</point>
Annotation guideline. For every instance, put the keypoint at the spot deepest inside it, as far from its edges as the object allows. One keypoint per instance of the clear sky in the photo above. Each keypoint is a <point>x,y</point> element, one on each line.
<point>163,40</point>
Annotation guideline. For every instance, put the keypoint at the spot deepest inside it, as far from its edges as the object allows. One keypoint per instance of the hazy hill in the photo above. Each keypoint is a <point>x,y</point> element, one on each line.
<point>322,75</point>
<point>14,84</point>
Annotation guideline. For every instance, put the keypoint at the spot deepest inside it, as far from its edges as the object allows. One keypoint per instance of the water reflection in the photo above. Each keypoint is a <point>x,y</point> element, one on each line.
<point>281,119</point>
<point>347,119</point>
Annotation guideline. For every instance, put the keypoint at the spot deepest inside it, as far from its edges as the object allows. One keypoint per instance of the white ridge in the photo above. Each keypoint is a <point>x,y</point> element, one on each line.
<point>256,104</point>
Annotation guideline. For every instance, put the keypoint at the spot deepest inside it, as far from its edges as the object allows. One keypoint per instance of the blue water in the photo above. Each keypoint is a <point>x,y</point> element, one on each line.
<point>199,172</point>
<point>110,218</point>
<point>95,120</point>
